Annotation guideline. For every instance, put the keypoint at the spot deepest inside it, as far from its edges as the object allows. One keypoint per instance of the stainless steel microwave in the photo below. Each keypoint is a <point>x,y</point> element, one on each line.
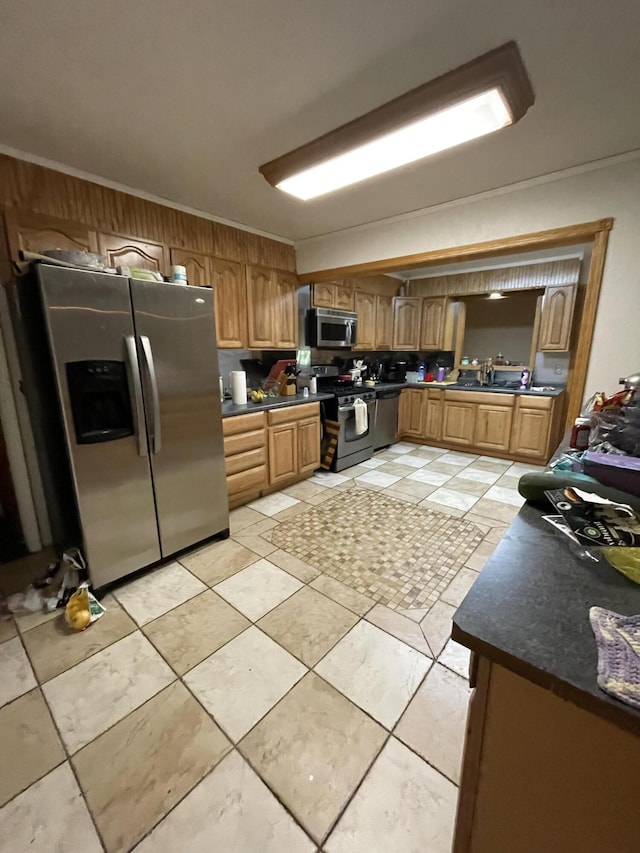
<point>332,329</point>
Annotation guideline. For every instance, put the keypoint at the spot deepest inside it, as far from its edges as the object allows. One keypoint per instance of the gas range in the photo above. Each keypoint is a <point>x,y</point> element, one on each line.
<point>346,392</point>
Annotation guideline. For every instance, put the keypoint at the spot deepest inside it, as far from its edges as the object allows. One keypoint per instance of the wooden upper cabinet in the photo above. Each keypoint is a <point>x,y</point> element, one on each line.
<point>365,308</point>
<point>406,322</point>
<point>230,297</point>
<point>384,322</point>
<point>432,324</point>
<point>260,308</point>
<point>343,297</point>
<point>286,314</point>
<point>555,322</point>
<point>33,232</point>
<point>196,264</point>
<point>324,294</point>
<point>121,251</point>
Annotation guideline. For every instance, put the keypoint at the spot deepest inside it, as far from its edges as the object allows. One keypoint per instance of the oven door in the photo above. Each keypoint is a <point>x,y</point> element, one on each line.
<point>333,332</point>
<point>348,441</point>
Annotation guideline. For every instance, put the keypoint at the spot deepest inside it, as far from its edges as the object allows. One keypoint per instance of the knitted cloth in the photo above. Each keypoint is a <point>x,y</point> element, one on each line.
<point>618,641</point>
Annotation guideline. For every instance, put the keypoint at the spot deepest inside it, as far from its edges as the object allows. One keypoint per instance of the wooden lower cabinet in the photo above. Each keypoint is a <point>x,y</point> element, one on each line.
<point>410,412</point>
<point>283,453</point>
<point>531,427</point>
<point>493,427</point>
<point>433,415</point>
<point>502,425</point>
<point>308,445</point>
<point>458,422</point>
<point>245,452</point>
<point>540,773</point>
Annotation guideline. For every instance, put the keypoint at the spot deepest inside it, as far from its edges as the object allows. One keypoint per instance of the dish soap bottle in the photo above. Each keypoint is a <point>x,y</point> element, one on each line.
<point>421,372</point>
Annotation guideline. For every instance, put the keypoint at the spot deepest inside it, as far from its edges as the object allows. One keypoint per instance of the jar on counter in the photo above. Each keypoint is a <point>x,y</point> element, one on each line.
<point>580,434</point>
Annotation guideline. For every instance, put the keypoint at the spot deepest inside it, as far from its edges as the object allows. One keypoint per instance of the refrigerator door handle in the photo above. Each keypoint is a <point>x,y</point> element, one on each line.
<point>133,370</point>
<point>156,437</point>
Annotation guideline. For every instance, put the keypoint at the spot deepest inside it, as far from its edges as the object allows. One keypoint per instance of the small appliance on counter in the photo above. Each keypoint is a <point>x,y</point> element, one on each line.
<point>393,371</point>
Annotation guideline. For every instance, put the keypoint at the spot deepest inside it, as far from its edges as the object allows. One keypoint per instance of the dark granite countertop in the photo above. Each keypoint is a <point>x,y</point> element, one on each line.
<point>229,408</point>
<point>529,612</point>
<point>483,389</point>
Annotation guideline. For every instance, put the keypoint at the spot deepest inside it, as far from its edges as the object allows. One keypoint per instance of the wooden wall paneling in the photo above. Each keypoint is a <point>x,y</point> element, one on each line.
<point>47,192</point>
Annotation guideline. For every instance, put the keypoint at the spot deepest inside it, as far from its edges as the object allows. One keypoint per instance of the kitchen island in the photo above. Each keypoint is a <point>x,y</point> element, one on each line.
<point>550,760</point>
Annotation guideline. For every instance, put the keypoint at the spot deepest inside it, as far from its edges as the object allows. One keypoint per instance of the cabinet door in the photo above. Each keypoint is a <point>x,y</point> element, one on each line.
<point>365,308</point>
<point>343,297</point>
<point>286,311</point>
<point>308,445</point>
<point>410,413</point>
<point>406,322</point>
<point>33,232</point>
<point>260,308</point>
<point>283,452</point>
<point>493,427</point>
<point>196,264</point>
<point>120,251</point>
<point>323,295</point>
<point>384,322</point>
<point>458,422</point>
<point>433,418</point>
<point>555,321</point>
<point>530,432</point>
<point>230,295</point>
<point>432,325</point>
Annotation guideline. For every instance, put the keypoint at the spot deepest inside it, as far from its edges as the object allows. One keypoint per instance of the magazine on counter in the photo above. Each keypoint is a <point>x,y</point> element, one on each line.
<point>594,520</point>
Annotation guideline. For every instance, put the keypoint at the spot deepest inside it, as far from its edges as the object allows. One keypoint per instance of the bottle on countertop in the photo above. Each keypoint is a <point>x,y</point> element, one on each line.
<point>525,377</point>
<point>421,369</point>
<point>313,385</point>
<point>440,374</point>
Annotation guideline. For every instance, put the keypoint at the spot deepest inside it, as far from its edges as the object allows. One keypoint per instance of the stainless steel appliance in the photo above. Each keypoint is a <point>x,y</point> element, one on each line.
<point>122,384</point>
<point>351,447</point>
<point>386,423</point>
<point>332,329</point>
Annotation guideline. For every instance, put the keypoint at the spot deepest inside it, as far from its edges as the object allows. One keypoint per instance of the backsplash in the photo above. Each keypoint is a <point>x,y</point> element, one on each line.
<point>544,372</point>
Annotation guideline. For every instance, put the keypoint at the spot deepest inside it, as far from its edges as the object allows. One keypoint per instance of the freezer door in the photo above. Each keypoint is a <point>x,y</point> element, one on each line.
<point>179,364</point>
<point>91,337</point>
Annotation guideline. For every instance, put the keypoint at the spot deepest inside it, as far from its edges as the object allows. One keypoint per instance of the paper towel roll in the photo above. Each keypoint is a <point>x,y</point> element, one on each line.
<point>238,379</point>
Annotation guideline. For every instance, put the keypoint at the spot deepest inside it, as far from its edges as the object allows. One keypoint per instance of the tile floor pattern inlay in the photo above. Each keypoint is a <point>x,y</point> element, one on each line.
<point>403,562</point>
<point>249,705</point>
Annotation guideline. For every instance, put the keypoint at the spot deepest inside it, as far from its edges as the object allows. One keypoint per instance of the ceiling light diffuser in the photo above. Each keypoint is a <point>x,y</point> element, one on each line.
<point>484,95</point>
<point>496,295</point>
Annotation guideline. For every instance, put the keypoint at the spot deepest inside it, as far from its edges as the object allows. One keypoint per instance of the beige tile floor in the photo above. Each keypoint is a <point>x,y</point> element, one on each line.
<point>241,700</point>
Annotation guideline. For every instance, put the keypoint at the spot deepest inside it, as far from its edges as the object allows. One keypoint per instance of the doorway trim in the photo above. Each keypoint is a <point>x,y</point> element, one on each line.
<point>596,232</point>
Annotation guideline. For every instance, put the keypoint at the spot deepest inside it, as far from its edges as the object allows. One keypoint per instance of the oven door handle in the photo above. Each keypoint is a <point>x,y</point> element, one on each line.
<point>346,408</point>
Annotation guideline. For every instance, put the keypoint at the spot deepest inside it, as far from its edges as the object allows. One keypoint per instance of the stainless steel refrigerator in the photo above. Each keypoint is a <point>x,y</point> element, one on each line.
<point>121,377</point>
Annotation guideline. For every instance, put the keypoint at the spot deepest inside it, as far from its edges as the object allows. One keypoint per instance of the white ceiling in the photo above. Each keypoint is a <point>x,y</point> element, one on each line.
<point>186,100</point>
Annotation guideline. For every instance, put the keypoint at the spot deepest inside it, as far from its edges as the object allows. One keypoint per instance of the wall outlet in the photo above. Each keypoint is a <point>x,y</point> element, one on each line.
<point>558,370</point>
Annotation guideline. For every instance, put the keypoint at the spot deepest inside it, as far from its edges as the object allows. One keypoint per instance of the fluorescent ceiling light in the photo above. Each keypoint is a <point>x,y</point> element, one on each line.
<point>467,120</point>
<point>488,93</point>
<point>496,295</point>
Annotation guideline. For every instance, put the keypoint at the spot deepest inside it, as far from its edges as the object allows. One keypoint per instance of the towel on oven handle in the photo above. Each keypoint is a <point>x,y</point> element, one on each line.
<point>362,416</point>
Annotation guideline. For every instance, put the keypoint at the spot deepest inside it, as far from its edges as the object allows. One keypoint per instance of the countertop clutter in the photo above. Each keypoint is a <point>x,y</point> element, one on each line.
<point>529,612</point>
<point>230,408</point>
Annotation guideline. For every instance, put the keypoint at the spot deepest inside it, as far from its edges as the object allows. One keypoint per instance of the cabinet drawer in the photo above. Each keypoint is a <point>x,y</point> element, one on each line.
<point>244,461</point>
<point>293,413</point>
<point>483,397</point>
<point>244,441</point>
<point>242,423</point>
<point>254,478</point>
<point>527,401</point>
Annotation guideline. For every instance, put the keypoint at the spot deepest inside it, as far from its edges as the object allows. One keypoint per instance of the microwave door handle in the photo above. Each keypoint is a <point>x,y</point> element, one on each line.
<point>349,329</point>
<point>154,429</point>
<point>135,391</point>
